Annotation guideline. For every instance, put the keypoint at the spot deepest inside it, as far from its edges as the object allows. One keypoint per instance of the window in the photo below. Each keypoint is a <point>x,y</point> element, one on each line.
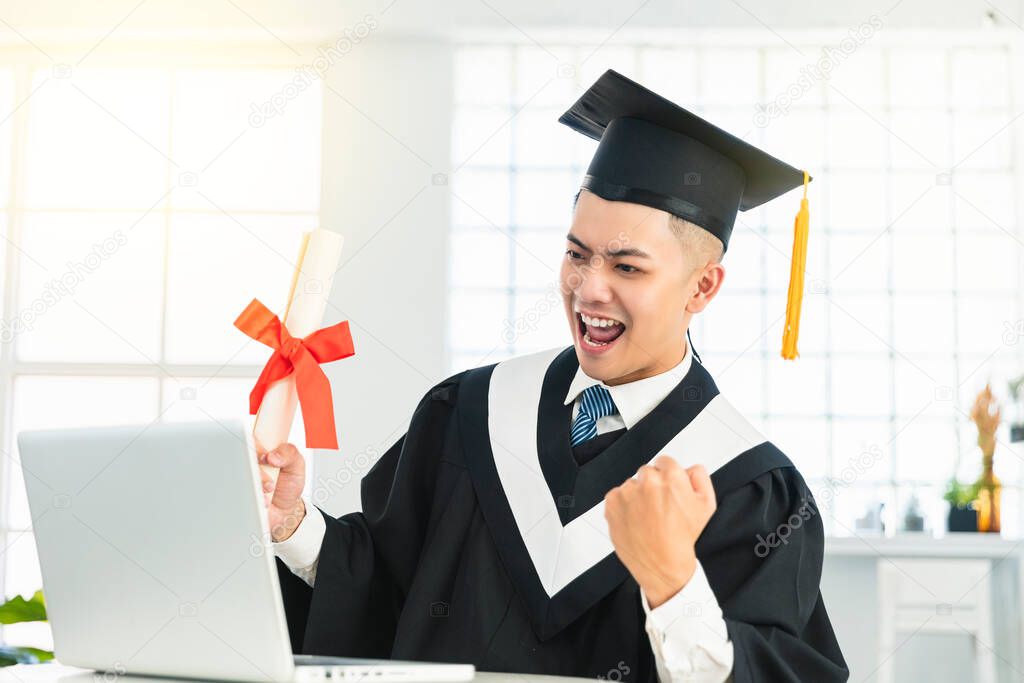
<point>142,209</point>
<point>915,261</point>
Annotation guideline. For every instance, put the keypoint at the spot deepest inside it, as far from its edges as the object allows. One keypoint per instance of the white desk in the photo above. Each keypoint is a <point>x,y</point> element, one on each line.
<point>58,673</point>
<point>850,588</point>
<point>966,545</point>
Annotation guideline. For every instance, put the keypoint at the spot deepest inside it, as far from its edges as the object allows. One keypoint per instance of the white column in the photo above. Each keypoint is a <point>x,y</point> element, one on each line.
<point>387,118</point>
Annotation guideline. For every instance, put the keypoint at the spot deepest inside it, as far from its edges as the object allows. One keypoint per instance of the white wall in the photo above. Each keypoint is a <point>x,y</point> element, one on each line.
<point>260,20</point>
<point>387,118</point>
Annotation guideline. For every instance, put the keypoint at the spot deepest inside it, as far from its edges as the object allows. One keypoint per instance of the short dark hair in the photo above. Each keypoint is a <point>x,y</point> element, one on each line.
<point>683,228</point>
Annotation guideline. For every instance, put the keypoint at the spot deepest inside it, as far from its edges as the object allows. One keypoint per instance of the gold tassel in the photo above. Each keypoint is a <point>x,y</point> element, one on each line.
<point>801,227</point>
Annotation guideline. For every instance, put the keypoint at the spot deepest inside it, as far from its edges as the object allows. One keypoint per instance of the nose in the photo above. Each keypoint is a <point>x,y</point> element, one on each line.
<point>592,286</point>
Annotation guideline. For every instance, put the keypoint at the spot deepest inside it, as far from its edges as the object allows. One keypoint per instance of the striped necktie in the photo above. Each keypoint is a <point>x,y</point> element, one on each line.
<point>595,403</point>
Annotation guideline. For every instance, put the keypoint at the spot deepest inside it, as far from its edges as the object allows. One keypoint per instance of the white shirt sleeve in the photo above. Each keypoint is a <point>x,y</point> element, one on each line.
<point>688,635</point>
<point>301,550</point>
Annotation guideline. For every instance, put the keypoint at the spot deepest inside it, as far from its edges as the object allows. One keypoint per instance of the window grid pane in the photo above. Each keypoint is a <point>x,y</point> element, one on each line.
<point>114,166</point>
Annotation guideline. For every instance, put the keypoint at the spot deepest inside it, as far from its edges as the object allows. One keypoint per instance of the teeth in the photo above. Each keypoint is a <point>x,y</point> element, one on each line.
<point>594,343</point>
<point>599,322</point>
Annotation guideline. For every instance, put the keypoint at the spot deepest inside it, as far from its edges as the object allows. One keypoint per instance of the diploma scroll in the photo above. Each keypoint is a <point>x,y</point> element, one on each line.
<point>311,285</point>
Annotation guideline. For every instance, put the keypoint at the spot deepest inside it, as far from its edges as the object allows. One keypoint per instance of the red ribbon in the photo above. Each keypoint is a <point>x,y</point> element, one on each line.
<point>303,357</point>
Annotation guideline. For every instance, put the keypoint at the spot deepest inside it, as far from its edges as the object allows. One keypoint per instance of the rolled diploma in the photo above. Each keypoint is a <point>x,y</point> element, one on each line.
<point>319,254</point>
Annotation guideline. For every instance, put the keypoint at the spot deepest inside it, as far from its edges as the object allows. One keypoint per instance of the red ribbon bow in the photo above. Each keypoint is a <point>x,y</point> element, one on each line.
<point>303,357</point>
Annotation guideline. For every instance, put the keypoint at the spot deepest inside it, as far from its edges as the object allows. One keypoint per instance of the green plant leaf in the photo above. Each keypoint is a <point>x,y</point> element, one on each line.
<point>41,655</point>
<point>18,609</point>
<point>10,660</point>
<point>11,655</point>
<point>960,495</point>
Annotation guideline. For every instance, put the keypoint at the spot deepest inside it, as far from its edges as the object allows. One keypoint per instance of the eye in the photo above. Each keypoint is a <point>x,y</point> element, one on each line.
<point>574,255</point>
<point>626,268</point>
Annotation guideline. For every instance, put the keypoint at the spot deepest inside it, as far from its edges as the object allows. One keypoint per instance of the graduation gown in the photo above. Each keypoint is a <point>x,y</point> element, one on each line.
<point>482,538</point>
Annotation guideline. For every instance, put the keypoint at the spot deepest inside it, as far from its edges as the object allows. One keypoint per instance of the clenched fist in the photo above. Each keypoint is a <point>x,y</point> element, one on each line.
<point>655,519</point>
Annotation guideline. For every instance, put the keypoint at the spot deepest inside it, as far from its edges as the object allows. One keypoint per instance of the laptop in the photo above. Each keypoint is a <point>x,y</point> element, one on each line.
<point>155,554</point>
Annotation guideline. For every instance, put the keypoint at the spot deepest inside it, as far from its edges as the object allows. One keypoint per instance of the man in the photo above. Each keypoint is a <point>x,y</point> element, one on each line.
<point>600,510</point>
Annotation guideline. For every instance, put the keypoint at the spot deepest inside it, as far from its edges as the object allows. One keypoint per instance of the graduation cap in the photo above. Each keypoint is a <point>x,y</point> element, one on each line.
<point>654,152</point>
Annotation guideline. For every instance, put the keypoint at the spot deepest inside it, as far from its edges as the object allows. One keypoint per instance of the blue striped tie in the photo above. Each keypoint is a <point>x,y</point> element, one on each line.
<point>595,403</point>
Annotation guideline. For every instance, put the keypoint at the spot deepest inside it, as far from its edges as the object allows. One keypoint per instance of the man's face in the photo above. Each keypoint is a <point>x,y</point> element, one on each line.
<point>626,282</point>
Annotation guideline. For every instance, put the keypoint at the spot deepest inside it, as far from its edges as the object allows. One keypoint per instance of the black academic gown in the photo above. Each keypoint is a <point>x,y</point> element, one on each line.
<point>434,568</point>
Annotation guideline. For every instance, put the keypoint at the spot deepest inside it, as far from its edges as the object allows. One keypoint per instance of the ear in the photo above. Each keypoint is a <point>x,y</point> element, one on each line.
<point>704,286</point>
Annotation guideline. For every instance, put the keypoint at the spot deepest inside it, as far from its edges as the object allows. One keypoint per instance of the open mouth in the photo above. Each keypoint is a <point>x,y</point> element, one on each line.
<point>599,335</point>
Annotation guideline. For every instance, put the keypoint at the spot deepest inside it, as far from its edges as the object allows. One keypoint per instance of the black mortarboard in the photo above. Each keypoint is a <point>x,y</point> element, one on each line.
<point>654,152</point>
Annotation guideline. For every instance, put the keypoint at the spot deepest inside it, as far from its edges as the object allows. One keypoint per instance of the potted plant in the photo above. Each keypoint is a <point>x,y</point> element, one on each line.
<point>18,610</point>
<point>962,515</point>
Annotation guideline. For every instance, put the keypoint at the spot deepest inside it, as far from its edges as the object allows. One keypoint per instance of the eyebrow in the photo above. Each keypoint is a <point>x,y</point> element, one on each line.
<point>630,251</point>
